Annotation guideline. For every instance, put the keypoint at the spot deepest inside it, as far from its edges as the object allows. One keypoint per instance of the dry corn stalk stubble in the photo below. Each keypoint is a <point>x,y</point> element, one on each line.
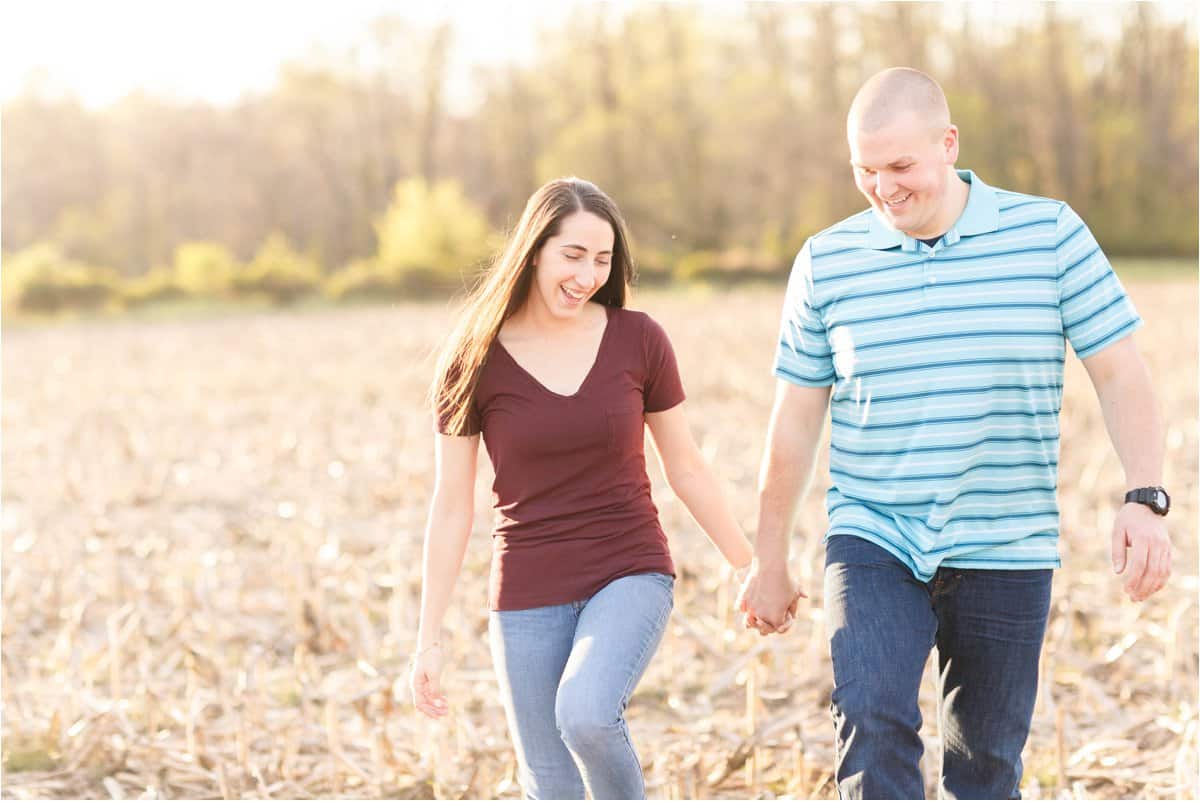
<point>212,536</point>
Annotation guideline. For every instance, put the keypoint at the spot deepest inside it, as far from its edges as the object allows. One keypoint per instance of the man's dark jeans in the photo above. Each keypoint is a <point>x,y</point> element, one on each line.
<point>882,622</point>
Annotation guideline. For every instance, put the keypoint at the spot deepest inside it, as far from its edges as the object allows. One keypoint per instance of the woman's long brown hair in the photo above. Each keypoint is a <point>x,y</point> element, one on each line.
<point>504,287</point>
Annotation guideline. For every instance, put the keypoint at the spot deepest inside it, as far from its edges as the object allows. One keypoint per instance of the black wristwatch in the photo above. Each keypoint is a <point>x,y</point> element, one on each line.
<point>1155,497</point>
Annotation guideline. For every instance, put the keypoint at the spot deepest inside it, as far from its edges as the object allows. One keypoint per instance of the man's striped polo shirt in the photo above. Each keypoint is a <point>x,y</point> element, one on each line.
<point>947,372</point>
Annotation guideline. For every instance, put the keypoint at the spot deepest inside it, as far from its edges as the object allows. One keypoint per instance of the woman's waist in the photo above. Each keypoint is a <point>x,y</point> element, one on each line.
<point>532,520</point>
<point>512,537</point>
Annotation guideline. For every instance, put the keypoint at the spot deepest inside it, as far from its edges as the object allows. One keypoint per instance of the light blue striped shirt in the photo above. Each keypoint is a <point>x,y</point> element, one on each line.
<point>947,372</point>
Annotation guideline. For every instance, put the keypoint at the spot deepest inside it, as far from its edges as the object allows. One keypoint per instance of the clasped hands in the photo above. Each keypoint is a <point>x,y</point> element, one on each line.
<point>768,599</point>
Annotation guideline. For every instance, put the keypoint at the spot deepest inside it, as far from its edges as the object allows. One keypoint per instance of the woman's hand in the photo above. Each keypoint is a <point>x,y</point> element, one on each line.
<point>425,681</point>
<point>769,599</point>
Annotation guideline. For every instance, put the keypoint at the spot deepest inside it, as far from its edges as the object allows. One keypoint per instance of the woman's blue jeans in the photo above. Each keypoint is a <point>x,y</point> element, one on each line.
<point>566,674</point>
<point>882,622</point>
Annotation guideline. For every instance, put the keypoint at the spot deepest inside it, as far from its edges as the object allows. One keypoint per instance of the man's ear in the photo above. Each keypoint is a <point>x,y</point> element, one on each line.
<point>950,143</point>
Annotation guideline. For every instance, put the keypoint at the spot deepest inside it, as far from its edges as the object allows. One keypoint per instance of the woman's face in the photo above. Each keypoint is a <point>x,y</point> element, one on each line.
<point>572,266</point>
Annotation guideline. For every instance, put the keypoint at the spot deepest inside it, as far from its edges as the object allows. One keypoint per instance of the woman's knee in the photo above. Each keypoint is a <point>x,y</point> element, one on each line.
<point>585,725</point>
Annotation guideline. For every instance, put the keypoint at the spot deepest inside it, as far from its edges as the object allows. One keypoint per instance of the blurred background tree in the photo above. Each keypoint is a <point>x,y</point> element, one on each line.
<point>432,231</point>
<point>279,272</point>
<point>720,132</point>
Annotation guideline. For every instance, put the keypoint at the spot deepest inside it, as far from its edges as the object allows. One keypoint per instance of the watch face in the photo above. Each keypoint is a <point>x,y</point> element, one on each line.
<point>1160,499</point>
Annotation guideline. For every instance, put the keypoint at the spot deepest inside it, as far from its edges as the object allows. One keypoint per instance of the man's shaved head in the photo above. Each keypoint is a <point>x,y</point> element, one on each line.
<point>893,93</point>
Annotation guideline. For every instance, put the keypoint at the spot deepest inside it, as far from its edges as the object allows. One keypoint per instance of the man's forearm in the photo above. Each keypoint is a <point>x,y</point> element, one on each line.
<point>1134,424</point>
<point>787,469</point>
<point>781,489</point>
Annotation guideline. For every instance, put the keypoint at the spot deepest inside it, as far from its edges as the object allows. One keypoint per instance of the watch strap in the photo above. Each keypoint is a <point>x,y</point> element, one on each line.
<point>1148,496</point>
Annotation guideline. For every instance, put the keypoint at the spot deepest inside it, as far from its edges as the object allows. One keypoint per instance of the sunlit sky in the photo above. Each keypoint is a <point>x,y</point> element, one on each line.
<point>218,50</point>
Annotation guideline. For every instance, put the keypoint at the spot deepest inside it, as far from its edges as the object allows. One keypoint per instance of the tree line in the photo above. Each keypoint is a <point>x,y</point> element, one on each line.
<point>720,135</point>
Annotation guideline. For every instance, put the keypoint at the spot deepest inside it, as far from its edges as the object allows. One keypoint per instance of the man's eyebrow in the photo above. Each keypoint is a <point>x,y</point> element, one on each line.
<point>895,163</point>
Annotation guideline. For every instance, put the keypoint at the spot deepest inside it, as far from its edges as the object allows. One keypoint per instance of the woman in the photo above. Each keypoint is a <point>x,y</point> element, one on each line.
<point>559,378</point>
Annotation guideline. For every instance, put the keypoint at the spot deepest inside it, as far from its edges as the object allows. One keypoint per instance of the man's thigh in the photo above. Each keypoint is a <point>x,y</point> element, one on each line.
<point>991,624</point>
<point>878,616</point>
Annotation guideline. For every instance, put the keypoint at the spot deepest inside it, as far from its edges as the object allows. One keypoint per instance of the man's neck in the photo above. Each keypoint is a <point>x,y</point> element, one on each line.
<point>957,192</point>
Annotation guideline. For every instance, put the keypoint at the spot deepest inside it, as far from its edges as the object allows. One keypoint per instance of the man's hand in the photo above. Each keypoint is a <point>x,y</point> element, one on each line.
<point>768,599</point>
<point>1146,564</point>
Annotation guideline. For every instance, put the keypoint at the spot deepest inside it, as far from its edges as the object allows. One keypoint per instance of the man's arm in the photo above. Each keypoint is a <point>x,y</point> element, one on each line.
<point>1141,548</point>
<point>791,454</point>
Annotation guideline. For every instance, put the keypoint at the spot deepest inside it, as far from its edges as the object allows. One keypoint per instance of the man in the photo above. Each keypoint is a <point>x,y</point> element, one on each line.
<point>937,321</point>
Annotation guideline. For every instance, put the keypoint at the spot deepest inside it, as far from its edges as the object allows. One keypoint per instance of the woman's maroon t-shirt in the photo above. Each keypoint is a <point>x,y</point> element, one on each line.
<point>571,492</point>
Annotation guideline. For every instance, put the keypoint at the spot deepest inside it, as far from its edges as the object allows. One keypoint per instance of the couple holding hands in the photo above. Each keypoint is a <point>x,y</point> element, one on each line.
<point>931,327</point>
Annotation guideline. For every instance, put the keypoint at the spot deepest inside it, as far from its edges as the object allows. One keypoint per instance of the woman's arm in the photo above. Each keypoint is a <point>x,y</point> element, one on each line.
<point>450,516</point>
<point>691,480</point>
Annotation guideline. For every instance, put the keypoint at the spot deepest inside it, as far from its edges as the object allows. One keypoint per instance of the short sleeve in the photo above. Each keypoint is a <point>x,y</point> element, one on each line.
<point>1095,310</point>
<point>803,355</point>
<point>663,388</point>
<point>442,415</point>
<point>441,421</point>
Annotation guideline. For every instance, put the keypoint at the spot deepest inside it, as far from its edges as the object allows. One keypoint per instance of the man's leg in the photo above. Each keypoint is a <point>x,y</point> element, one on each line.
<point>990,629</point>
<point>881,627</point>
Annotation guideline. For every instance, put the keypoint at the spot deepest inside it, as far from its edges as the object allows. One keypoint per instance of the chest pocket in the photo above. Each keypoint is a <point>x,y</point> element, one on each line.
<point>625,430</point>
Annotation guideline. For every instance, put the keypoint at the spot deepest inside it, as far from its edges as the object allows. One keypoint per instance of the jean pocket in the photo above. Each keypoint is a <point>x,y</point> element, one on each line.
<point>625,430</point>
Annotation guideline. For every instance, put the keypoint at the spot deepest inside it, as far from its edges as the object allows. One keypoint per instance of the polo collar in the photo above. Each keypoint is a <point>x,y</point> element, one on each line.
<point>981,215</point>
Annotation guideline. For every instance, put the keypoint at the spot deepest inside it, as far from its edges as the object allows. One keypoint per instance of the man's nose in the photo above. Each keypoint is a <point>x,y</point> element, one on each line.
<point>884,185</point>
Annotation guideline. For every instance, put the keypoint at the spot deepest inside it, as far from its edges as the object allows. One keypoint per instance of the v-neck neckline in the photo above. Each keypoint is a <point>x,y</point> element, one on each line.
<point>608,324</point>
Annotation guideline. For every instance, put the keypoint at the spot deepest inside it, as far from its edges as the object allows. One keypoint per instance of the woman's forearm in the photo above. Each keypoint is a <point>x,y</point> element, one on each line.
<point>446,536</point>
<point>706,503</point>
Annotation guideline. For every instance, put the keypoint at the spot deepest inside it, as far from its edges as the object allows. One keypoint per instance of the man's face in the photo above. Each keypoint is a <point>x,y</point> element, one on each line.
<point>901,170</point>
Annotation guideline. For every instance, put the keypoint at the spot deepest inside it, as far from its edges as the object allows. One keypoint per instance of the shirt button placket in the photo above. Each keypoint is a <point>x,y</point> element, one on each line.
<point>929,274</point>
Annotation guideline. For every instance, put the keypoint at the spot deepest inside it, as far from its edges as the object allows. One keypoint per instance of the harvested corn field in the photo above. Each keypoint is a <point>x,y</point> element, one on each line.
<point>212,539</point>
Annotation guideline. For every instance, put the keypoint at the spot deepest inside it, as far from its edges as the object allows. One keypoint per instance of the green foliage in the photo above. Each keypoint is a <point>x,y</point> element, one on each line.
<point>365,279</point>
<point>729,266</point>
<point>279,272</point>
<point>590,145</point>
<point>204,269</point>
<point>431,235</point>
<point>653,266</point>
<point>696,265</point>
<point>157,286</point>
<point>41,280</point>
<point>430,239</point>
